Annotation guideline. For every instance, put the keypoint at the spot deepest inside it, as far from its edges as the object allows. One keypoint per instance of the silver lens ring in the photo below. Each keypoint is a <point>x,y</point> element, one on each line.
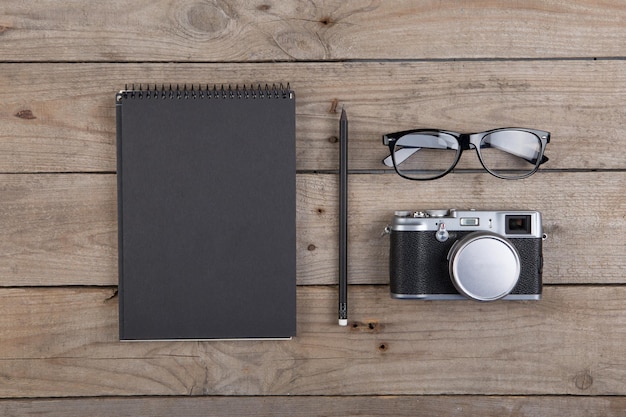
<point>484,266</point>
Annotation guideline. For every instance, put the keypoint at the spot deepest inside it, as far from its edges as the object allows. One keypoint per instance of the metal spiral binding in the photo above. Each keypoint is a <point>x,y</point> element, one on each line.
<point>193,92</point>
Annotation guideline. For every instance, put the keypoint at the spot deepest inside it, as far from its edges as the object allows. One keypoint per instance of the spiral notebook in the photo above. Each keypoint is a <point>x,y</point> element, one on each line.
<point>206,213</point>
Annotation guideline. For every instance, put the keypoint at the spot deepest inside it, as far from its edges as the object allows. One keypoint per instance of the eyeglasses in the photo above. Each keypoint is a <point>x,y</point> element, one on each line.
<point>428,154</point>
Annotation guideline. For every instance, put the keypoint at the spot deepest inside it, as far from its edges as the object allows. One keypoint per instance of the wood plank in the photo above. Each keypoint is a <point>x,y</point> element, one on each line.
<point>393,406</point>
<point>58,229</point>
<point>61,117</point>
<point>62,229</point>
<point>63,342</point>
<point>579,211</point>
<point>182,30</point>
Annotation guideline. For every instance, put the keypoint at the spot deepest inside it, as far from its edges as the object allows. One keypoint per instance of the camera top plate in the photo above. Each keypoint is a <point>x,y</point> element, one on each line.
<point>511,224</point>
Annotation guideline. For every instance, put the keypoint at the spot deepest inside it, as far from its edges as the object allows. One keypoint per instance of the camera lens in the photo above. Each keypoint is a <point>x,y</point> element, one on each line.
<point>484,266</point>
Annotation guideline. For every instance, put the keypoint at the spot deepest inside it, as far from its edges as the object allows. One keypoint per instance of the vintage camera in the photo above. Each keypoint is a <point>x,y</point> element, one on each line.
<point>456,254</point>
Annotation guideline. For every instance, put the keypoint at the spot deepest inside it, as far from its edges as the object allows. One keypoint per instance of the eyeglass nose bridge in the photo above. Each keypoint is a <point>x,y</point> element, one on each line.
<point>466,141</point>
<point>469,141</point>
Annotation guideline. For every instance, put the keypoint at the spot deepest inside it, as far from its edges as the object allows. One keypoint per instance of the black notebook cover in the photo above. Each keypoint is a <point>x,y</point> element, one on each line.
<point>206,213</point>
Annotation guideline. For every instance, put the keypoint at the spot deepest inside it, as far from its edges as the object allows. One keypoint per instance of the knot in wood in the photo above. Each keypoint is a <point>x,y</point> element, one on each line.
<point>205,20</point>
<point>583,380</point>
<point>371,326</point>
<point>25,114</point>
<point>327,21</point>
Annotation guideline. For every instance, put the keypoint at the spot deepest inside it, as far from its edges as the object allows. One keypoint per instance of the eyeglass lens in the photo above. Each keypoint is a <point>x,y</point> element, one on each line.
<point>510,154</point>
<point>428,155</point>
<point>425,155</point>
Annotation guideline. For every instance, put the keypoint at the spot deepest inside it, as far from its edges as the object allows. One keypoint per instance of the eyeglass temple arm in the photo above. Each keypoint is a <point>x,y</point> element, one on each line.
<point>401,156</point>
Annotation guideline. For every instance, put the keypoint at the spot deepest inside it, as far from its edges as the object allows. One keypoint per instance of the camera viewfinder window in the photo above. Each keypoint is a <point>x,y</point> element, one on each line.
<point>518,225</point>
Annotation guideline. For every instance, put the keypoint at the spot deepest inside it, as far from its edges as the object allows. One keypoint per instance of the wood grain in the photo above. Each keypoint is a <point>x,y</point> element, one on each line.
<point>187,30</point>
<point>58,229</point>
<point>63,342</point>
<point>309,406</point>
<point>62,229</point>
<point>61,117</point>
<point>556,65</point>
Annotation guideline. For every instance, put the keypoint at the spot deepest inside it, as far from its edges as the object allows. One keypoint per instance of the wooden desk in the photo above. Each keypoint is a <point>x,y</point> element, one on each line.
<point>394,65</point>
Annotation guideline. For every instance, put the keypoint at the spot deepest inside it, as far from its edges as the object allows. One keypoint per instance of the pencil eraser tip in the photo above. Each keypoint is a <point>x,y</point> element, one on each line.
<point>343,322</point>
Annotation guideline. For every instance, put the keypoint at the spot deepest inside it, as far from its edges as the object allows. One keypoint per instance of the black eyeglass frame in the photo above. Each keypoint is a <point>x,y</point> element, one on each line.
<point>465,140</point>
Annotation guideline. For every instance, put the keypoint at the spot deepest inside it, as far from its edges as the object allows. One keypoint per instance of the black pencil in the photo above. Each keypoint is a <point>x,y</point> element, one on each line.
<point>343,219</point>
